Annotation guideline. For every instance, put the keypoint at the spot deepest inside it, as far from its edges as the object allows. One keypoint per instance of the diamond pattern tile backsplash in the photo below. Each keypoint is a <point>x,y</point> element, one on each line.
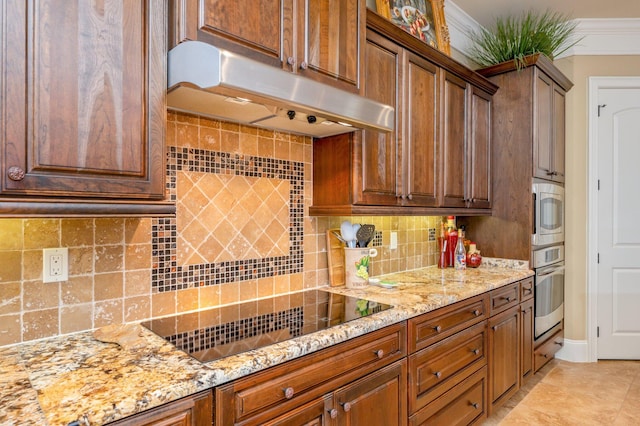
<point>242,232</point>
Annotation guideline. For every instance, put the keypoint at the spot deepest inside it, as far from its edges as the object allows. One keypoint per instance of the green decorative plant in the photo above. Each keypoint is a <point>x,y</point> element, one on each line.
<point>513,38</point>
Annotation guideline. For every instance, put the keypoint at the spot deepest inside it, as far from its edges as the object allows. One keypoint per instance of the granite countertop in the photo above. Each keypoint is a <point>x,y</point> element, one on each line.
<point>77,378</point>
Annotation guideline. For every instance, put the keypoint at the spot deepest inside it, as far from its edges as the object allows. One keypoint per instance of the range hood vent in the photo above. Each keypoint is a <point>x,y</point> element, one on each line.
<point>217,83</point>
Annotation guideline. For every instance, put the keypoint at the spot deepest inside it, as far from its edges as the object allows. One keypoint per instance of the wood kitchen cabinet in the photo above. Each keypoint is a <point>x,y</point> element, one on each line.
<point>362,378</point>
<point>437,159</point>
<point>82,108</point>
<point>319,39</point>
<point>194,410</point>
<point>528,122</point>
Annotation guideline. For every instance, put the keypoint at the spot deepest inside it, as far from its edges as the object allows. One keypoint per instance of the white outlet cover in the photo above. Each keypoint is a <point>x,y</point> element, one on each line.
<point>393,243</point>
<point>55,265</point>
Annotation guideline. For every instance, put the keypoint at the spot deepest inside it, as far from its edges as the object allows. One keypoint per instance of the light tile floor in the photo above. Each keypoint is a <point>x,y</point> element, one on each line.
<point>565,393</point>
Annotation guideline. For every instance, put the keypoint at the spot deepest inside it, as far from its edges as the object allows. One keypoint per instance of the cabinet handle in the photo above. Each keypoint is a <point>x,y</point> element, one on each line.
<point>437,328</point>
<point>288,392</point>
<point>558,343</point>
<point>410,196</point>
<point>291,60</point>
<point>508,298</point>
<point>494,328</point>
<point>333,413</point>
<point>476,351</point>
<point>438,374</point>
<point>545,355</point>
<point>304,65</point>
<point>528,291</point>
<point>379,353</point>
<point>16,173</point>
<point>476,312</point>
<point>475,405</point>
<point>346,406</point>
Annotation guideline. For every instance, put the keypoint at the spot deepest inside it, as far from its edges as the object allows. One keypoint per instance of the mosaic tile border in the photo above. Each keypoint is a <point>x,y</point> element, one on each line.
<point>167,275</point>
<point>236,331</point>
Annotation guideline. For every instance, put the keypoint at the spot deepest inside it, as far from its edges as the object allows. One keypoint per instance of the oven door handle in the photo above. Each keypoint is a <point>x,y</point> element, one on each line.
<point>550,271</point>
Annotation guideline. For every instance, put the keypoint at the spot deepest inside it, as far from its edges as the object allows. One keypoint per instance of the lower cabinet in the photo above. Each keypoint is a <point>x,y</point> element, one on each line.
<point>504,356</point>
<point>545,351</point>
<point>194,410</point>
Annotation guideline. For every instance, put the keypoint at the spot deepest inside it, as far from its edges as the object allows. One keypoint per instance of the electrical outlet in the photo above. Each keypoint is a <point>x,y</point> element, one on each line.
<point>55,265</point>
<point>393,244</point>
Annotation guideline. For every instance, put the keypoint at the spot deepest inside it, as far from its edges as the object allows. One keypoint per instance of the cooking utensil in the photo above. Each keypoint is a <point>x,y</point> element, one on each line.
<point>365,234</point>
<point>338,236</point>
<point>348,235</point>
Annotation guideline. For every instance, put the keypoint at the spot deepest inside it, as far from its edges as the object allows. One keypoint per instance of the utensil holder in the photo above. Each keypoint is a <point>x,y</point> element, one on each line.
<point>356,266</point>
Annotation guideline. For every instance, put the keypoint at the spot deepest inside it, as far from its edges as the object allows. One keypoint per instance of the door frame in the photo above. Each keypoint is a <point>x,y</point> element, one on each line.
<point>595,84</point>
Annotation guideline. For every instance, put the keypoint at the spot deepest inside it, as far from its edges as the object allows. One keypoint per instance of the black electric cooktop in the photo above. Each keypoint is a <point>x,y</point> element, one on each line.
<point>211,334</point>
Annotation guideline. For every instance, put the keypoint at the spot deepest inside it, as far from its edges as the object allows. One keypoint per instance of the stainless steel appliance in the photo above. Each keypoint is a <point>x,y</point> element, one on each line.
<point>548,213</point>
<point>549,292</point>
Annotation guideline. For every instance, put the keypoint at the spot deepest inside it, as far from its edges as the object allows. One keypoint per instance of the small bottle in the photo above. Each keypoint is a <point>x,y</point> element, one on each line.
<point>452,240</point>
<point>442,247</point>
<point>460,254</point>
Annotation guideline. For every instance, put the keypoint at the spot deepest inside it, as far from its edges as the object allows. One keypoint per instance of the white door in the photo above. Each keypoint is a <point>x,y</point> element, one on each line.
<point>618,231</point>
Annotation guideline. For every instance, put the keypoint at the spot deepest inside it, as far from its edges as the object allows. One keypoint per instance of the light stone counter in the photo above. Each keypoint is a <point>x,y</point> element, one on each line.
<point>77,378</point>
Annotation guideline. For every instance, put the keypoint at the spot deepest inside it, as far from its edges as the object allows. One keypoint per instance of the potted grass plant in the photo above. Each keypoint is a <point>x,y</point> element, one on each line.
<point>516,38</point>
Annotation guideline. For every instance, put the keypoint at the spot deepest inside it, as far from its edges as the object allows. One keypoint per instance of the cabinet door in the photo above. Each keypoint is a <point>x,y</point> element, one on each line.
<point>454,128</point>
<point>328,41</point>
<point>479,151</point>
<point>543,121</point>
<point>195,410</point>
<point>375,171</point>
<point>82,103</point>
<point>526,339</point>
<point>377,399</point>
<point>420,150</point>
<point>504,356</point>
<point>558,133</point>
<point>315,413</point>
<point>261,30</point>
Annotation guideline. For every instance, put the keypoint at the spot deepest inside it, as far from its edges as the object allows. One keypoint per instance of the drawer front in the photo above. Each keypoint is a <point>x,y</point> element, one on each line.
<point>463,405</point>
<point>441,364</point>
<point>545,352</point>
<point>504,298</point>
<point>285,382</point>
<point>526,289</point>
<point>433,326</point>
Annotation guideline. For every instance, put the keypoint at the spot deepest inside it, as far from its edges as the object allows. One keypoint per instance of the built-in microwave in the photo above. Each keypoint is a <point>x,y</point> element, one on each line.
<point>548,213</point>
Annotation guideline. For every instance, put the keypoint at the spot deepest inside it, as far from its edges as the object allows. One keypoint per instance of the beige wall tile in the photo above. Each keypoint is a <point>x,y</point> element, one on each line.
<point>10,266</point>
<point>188,299</point>
<point>41,233</point>
<point>137,308</point>
<point>209,296</point>
<point>186,135</point>
<point>109,258</point>
<point>137,231</point>
<point>137,256</point>
<point>76,318</point>
<point>80,260</point>
<point>10,298</point>
<point>40,324</point>
<point>229,141</point>
<point>77,290</point>
<point>163,304</point>
<point>108,312</point>
<point>108,286</point>
<point>137,283</point>
<point>32,265</point>
<point>11,234</point>
<point>37,295</point>
<point>109,231</point>
<point>11,329</point>
<point>76,232</point>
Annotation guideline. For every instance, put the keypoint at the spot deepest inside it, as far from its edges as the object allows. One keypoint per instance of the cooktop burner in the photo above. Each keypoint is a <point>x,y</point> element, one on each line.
<point>215,333</point>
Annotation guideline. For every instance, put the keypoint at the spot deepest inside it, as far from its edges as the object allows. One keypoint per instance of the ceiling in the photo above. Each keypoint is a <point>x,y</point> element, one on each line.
<point>485,11</point>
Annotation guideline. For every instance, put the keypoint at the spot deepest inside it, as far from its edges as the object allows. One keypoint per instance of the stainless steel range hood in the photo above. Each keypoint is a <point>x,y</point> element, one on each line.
<point>217,83</point>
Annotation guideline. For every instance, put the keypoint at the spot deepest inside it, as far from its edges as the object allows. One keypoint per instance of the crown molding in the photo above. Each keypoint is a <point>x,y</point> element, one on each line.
<point>598,36</point>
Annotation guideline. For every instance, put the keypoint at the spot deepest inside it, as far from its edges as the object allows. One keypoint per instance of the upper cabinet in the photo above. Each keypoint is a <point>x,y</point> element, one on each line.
<point>319,39</point>
<point>82,108</point>
<point>534,100</point>
<point>437,159</point>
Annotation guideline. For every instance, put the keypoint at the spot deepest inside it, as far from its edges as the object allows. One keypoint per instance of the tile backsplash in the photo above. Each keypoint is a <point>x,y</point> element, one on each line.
<point>242,232</point>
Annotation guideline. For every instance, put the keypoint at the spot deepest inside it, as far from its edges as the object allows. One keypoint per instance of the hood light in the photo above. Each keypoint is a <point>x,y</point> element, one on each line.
<point>239,101</point>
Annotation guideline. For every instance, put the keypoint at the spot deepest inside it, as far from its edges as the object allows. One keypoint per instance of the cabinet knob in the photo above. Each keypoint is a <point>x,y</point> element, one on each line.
<point>410,196</point>
<point>558,343</point>
<point>545,355</point>
<point>304,65</point>
<point>333,413</point>
<point>437,328</point>
<point>476,312</point>
<point>346,406</point>
<point>16,173</point>
<point>379,353</point>
<point>288,392</point>
<point>291,60</point>
<point>475,405</point>
<point>476,351</point>
<point>438,374</point>
<point>494,328</point>
<point>508,298</point>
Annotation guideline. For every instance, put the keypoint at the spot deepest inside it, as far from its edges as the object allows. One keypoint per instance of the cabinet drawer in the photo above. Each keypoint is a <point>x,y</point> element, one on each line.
<point>463,405</point>
<point>504,298</point>
<point>526,289</point>
<point>439,367</point>
<point>545,352</point>
<point>307,377</point>
<point>434,326</point>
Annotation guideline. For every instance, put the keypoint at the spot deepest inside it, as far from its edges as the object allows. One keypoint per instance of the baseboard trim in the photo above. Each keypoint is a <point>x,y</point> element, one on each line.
<point>574,351</point>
